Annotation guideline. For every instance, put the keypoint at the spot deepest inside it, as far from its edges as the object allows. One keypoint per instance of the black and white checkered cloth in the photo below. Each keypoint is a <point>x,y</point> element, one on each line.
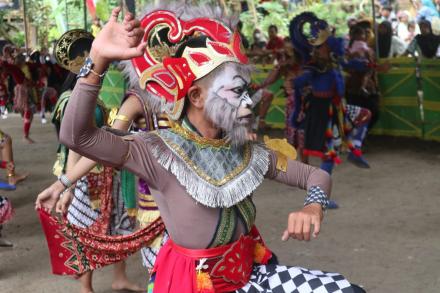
<point>284,279</point>
<point>353,112</point>
<point>316,195</point>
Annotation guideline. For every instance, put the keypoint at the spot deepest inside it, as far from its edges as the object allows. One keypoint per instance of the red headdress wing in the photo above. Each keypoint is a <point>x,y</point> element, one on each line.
<point>170,77</point>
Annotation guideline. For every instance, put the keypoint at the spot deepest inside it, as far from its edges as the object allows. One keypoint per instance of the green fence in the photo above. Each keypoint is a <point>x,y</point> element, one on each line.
<point>400,113</point>
<point>430,77</point>
<point>410,106</point>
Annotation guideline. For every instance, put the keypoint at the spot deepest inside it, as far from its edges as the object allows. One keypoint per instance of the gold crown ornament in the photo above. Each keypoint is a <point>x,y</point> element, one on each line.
<point>72,49</point>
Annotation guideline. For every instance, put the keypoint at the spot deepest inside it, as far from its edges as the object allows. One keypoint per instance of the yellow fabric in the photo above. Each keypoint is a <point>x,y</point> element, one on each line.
<point>283,151</point>
<point>132,212</point>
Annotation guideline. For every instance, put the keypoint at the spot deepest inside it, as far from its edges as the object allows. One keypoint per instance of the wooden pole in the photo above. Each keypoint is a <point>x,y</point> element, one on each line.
<point>67,15</point>
<point>253,10</point>
<point>373,10</point>
<point>26,30</point>
<point>85,14</point>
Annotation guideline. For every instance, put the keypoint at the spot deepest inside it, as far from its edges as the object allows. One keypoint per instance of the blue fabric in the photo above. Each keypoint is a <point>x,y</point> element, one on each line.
<point>6,186</point>
<point>328,166</point>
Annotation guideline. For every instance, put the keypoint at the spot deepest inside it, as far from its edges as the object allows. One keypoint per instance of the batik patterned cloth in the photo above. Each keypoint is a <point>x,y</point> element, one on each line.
<point>82,214</point>
<point>74,250</point>
<point>6,210</point>
<point>280,279</point>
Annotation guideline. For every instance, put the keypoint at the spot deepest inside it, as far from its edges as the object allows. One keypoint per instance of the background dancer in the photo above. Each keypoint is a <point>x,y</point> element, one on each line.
<point>22,98</point>
<point>329,121</point>
<point>82,203</point>
<point>7,162</point>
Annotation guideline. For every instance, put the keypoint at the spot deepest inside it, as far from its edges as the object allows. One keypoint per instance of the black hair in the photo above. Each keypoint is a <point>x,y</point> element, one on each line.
<point>69,82</point>
<point>272,26</point>
<point>77,48</point>
<point>354,32</point>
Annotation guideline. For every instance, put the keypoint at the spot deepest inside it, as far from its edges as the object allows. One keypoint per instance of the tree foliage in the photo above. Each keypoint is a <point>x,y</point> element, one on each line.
<point>335,13</point>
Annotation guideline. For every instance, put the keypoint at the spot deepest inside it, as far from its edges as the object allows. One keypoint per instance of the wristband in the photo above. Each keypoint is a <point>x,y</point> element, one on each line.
<point>88,68</point>
<point>65,181</point>
<point>3,164</point>
<point>64,192</point>
<point>316,195</point>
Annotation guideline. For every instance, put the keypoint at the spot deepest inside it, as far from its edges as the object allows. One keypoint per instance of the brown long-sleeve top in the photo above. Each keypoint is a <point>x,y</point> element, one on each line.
<point>189,223</point>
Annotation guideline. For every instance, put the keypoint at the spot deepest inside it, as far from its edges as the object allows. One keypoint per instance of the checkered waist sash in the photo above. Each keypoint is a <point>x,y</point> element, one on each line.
<point>221,269</point>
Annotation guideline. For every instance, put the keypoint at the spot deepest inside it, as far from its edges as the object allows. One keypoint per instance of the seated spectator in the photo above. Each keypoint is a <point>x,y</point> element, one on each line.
<point>389,45</point>
<point>426,43</point>
<point>276,43</point>
<point>413,30</point>
<point>387,14</point>
<point>259,40</point>
<point>403,27</point>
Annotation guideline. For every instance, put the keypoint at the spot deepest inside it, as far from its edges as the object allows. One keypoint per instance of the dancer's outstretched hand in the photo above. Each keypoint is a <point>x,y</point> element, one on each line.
<point>299,224</point>
<point>49,197</point>
<point>64,202</point>
<point>118,40</point>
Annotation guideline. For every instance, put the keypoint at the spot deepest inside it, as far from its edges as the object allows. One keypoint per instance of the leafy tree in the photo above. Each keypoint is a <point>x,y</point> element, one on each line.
<point>6,29</point>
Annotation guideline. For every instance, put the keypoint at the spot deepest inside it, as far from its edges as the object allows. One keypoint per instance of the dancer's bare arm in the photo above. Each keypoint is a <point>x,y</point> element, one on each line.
<point>78,166</point>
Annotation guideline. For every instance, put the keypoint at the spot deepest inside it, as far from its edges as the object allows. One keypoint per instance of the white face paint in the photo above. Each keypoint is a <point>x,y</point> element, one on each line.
<point>228,104</point>
<point>232,85</point>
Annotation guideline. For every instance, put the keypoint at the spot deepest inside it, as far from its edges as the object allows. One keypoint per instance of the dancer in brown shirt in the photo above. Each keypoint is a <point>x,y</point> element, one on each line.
<point>202,171</point>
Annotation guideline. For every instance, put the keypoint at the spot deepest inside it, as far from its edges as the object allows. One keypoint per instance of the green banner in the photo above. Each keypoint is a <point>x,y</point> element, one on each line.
<point>113,89</point>
<point>430,78</point>
<point>399,106</point>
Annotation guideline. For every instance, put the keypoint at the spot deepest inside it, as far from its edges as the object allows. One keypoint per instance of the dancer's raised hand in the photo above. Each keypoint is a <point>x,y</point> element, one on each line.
<point>118,40</point>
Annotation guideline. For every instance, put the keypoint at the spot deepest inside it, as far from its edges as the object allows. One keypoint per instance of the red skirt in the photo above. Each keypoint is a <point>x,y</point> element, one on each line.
<point>222,269</point>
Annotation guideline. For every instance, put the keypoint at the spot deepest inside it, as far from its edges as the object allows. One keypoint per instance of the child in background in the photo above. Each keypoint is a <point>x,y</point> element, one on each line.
<point>358,48</point>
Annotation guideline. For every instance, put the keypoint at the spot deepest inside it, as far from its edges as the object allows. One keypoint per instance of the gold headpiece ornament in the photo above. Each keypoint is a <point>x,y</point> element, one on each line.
<point>72,49</point>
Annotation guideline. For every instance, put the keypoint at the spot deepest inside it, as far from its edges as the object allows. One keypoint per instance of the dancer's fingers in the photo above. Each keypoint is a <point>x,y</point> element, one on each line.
<point>285,236</point>
<point>115,14</point>
<point>316,227</point>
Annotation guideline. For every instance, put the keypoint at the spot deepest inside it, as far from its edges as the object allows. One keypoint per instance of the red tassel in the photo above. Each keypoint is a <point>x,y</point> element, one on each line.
<point>357,152</point>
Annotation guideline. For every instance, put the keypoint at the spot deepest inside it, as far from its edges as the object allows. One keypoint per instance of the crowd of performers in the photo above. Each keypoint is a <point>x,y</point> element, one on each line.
<point>29,83</point>
<point>186,130</point>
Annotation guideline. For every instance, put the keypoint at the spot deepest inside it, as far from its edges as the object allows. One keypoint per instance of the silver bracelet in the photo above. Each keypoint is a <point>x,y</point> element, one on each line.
<point>64,192</point>
<point>65,181</point>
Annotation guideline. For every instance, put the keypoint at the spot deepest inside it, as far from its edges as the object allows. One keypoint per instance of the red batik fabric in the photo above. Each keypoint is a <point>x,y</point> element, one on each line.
<point>74,250</point>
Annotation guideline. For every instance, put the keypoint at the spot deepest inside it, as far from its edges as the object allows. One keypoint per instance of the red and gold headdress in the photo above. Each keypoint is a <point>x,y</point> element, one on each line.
<point>170,77</point>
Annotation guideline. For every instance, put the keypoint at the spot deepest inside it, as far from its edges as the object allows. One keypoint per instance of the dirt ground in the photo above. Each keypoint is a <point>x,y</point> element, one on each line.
<point>384,236</point>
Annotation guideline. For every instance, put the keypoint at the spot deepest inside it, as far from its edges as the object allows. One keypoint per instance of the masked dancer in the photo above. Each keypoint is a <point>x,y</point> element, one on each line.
<point>202,171</point>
